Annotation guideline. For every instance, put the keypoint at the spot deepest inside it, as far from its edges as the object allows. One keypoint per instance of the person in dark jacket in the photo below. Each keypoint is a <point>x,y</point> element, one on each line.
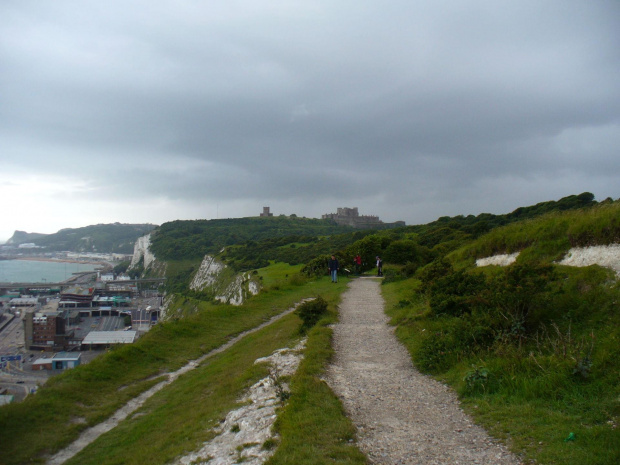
<point>333,267</point>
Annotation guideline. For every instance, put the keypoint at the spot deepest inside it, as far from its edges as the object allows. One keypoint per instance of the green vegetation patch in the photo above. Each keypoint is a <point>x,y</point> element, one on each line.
<point>178,419</point>
<point>313,426</point>
<point>179,240</point>
<point>549,236</point>
<point>107,238</point>
<point>532,350</point>
<point>88,394</point>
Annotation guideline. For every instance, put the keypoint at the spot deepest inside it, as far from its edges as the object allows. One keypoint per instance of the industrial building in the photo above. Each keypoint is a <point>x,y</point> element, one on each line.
<point>102,339</point>
<point>46,331</point>
<point>59,361</point>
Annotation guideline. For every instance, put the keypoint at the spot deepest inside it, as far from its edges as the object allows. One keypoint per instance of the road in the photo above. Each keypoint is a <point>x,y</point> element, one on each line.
<point>12,336</point>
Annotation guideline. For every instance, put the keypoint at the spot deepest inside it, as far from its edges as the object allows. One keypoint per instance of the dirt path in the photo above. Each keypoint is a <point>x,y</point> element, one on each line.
<point>402,417</point>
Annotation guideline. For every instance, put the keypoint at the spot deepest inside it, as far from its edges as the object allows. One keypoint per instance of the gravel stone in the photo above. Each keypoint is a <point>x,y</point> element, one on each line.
<point>402,416</point>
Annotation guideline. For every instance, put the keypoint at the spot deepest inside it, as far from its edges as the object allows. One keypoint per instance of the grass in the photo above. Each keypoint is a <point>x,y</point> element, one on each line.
<point>549,236</point>
<point>277,274</point>
<point>534,395</point>
<point>82,397</point>
<point>181,417</point>
<point>313,426</point>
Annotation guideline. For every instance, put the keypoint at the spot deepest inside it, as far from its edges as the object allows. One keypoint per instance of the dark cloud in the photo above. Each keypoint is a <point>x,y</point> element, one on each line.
<point>408,110</point>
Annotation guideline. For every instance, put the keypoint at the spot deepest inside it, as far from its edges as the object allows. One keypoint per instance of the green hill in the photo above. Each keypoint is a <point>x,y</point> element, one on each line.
<point>180,240</point>
<point>102,238</point>
<point>531,348</point>
<point>23,237</point>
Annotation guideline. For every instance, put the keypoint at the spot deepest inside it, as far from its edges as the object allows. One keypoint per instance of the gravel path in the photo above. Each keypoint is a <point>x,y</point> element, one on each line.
<point>402,416</point>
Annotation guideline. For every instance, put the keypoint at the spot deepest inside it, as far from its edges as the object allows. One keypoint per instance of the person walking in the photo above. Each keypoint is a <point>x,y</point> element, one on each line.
<point>333,267</point>
<point>358,264</point>
<point>379,266</point>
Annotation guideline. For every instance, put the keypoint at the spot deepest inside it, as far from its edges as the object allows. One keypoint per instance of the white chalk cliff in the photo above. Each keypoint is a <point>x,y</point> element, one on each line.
<point>226,286</point>
<point>141,249</point>
<point>213,276</point>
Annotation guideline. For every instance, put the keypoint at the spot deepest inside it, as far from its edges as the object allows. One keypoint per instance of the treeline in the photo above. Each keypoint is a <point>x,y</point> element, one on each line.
<point>293,250</point>
<point>182,240</point>
<point>475,226</point>
<point>252,243</point>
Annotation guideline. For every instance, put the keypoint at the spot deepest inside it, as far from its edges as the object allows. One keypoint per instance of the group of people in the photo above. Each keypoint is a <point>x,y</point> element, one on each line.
<point>333,266</point>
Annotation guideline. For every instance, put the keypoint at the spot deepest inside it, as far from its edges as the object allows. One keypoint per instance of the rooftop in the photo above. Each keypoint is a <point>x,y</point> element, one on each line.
<point>110,337</point>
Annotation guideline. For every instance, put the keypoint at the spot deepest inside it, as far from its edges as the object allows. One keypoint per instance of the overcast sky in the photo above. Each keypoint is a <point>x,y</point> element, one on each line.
<point>151,111</point>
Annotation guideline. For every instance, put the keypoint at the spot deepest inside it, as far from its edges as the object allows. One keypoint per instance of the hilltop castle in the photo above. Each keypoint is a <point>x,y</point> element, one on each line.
<point>351,217</point>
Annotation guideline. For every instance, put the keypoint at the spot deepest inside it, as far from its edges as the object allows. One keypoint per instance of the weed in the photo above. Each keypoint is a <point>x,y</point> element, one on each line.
<point>583,366</point>
<point>235,428</point>
<point>477,379</point>
<point>269,444</point>
<point>276,378</point>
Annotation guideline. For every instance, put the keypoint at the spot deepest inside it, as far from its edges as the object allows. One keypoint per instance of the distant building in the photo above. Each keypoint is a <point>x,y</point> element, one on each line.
<point>351,217</point>
<point>24,302</point>
<point>266,212</point>
<point>47,331</point>
<point>59,361</point>
<point>100,339</point>
<point>77,296</point>
<point>107,277</point>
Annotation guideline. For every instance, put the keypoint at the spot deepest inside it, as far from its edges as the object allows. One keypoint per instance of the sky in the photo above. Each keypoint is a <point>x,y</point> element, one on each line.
<point>151,111</point>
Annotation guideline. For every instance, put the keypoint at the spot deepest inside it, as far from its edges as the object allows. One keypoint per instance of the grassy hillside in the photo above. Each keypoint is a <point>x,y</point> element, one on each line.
<point>180,417</point>
<point>533,349</point>
<point>549,236</point>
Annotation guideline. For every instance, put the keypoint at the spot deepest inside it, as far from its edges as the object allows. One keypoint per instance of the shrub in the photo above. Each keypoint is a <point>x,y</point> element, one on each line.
<point>405,251</point>
<point>436,353</point>
<point>298,279</point>
<point>433,271</point>
<point>519,291</point>
<point>311,312</point>
<point>456,293</point>
<point>391,274</point>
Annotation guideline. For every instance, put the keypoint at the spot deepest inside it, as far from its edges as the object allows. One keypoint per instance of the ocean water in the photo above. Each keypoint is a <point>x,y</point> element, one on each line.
<point>28,271</point>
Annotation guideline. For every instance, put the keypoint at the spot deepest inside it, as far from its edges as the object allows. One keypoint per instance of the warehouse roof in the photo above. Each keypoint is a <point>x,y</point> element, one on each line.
<point>110,337</point>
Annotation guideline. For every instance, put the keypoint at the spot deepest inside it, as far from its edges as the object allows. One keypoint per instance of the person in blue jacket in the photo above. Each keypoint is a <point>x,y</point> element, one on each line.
<point>333,267</point>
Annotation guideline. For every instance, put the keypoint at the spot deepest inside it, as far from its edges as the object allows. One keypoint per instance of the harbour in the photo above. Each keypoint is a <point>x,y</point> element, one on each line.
<point>41,271</point>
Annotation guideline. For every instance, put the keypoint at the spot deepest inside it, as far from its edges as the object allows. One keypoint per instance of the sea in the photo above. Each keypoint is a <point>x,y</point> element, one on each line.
<point>31,271</point>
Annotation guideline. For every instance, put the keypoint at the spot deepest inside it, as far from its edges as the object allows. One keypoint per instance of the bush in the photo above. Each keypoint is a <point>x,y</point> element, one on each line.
<point>457,293</point>
<point>436,353</point>
<point>434,271</point>
<point>311,312</point>
<point>298,279</point>
<point>519,292</point>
